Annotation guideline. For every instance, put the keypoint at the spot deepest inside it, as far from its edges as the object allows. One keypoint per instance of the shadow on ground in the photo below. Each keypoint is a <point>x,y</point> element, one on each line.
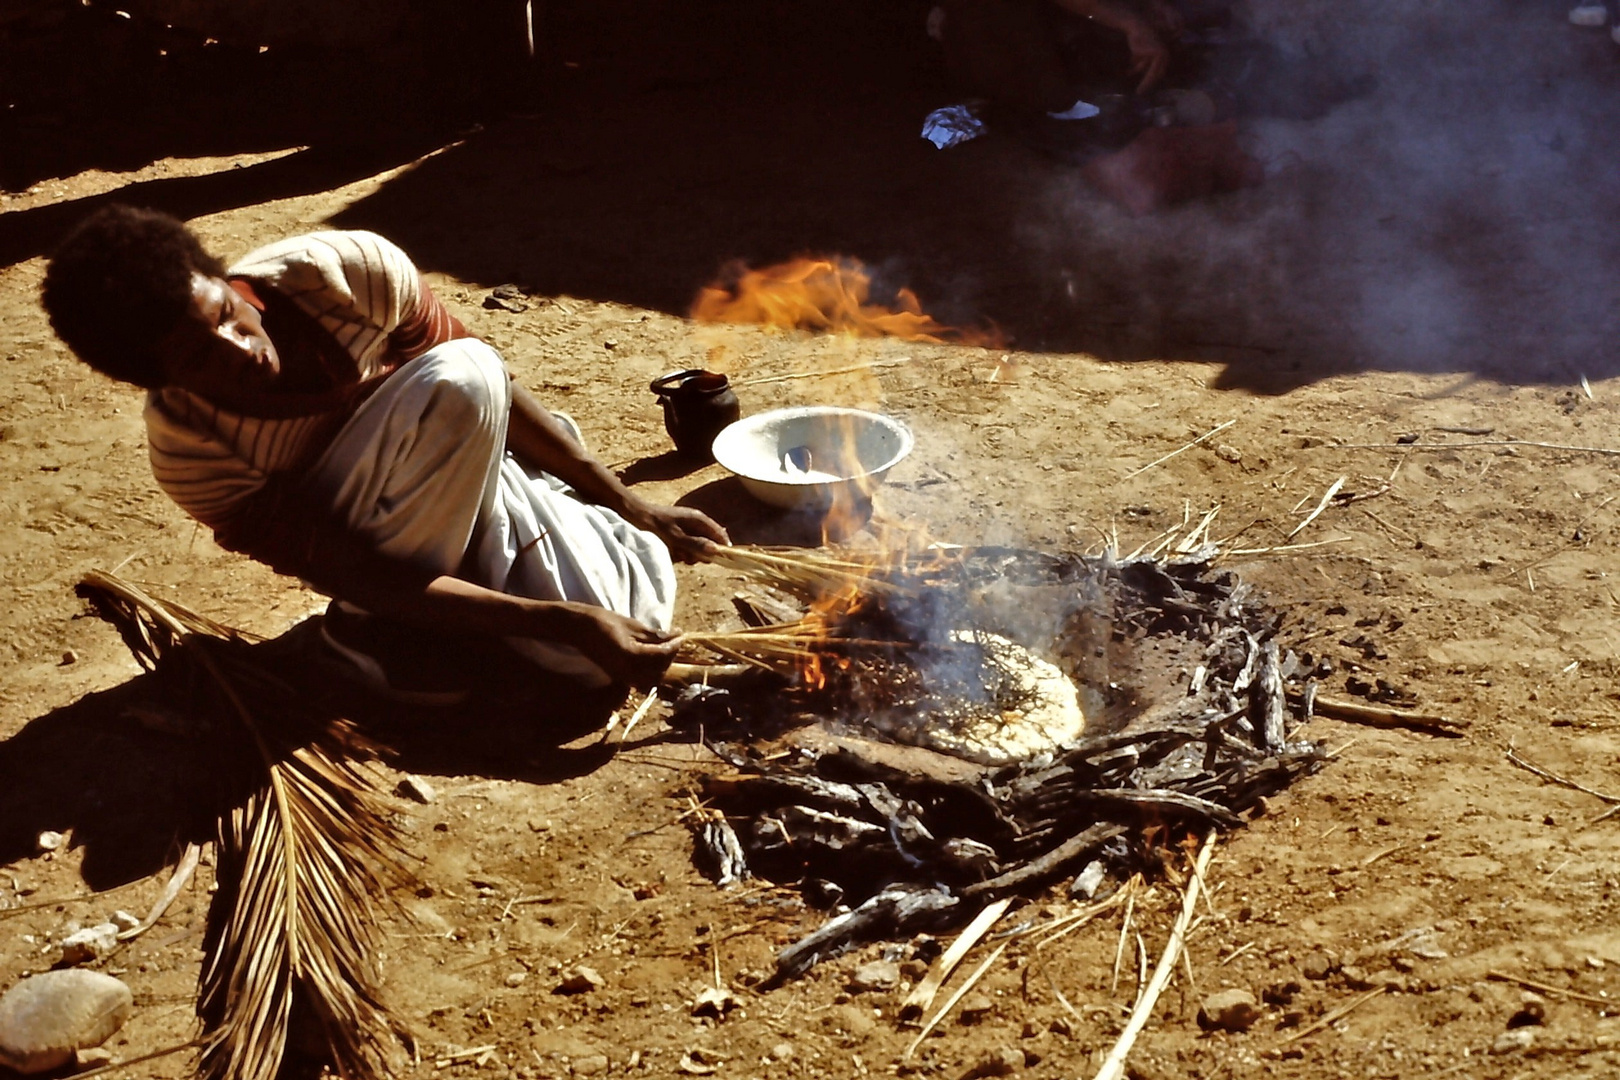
<point>1455,221</point>
<point>135,772</point>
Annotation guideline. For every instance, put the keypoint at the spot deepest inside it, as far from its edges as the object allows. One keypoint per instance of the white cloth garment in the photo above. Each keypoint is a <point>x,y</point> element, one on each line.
<point>422,470</point>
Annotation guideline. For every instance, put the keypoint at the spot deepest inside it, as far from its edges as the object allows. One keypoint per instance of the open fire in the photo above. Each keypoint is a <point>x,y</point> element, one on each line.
<point>828,294</point>
<point>970,724</point>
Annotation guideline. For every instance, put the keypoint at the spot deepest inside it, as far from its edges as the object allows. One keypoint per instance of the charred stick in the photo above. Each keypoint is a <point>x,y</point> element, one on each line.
<point>1051,864</point>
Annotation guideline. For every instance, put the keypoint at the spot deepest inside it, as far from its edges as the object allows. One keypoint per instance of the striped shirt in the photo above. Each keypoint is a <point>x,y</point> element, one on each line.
<point>356,286</point>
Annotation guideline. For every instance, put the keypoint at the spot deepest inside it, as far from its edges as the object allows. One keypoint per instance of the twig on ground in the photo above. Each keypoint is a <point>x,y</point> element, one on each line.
<point>1335,1014</point>
<point>1547,988</point>
<point>1470,445</point>
<point>1381,717</point>
<point>111,1066</point>
<point>1333,489</point>
<point>1113,1066</point>
<point>1396,529</point>
<point>852,369</point>
<point>1124,936</point>
<point>1235,953</point>
<point>969,983</point>
<point>1213,431</point>
<point>1281,549</point>
<point>1562,781</point>
<point>919,999</point>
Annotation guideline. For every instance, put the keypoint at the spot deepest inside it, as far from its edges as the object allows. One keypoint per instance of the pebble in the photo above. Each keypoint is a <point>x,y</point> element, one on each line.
<point>125,921</point>
<point>877,976</point>
<point>1317,966</point>
<point>1512,1042</point>
<point>1089,880</point>
<point>517,978</point>
<point>415,788</point>
<point>714,1001</point>
<point>975,1008</point>
<point>580,980</point>
<point>46,1017</point>
<point>591,1064</point>
<point>90,944</point>
<point>1229,1010</point>
<point>50,841</point>
<point>781,1051</point>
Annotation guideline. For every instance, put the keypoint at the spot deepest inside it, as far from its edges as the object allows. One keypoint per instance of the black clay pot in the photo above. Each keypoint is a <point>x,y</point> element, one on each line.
<point>697,406</point>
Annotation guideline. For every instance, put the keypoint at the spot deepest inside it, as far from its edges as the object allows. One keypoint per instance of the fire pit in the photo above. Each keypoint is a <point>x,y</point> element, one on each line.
<point>935,732</point>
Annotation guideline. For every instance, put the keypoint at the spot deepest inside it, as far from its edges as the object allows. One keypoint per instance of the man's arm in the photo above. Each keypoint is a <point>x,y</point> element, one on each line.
<point>534,435</point>
<point>293,537</point>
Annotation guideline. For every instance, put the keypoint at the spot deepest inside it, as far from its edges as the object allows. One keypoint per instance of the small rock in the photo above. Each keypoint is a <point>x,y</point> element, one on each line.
<point>69,657</point>
<point>1061,1026</point>
<point>1228,453</point>
<point>1004,1062</point>
<point>125,921</point>
<point>1029,1030</point>
<point>878,976</point>
<point>914,970</point>
<point>1532,1012</point>
<point>50,841</point>
<point>591,1064</point>
<point>46,1017</point>
<point>699,1062</point>
<point>90,944</point>
<point>1356,978</point>
<point>1229,1010</point>
<point>580,980</point>
<point>1317,966</point>
<point>1512,1042</point>
<point>517,978</point>
<point>1089,880</point>
<point>1403,963</point>
<point>975,1008</point>
<point>782,1051</point>
<point>714,1001</point>
<point>415,788</point>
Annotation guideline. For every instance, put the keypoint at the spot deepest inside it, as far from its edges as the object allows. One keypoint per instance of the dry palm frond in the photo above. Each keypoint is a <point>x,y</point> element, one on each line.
<point>303,859</point>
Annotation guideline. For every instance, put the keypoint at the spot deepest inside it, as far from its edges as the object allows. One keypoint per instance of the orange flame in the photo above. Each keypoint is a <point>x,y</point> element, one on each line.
<point>829,295</point>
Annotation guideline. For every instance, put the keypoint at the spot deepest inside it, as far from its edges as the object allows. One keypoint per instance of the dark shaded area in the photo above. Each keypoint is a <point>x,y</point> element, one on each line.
<point>135,772</point>
<point>1451,221</point>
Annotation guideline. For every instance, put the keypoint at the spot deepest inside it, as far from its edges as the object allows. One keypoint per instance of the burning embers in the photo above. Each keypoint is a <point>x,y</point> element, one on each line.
<point>979,662</point>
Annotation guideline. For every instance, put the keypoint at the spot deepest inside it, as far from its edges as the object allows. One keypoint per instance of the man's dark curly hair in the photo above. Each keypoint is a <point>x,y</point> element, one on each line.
<point>118,283</point>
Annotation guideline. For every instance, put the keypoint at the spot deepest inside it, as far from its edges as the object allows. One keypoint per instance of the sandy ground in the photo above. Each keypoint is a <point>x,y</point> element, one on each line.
<point>1474,579</point>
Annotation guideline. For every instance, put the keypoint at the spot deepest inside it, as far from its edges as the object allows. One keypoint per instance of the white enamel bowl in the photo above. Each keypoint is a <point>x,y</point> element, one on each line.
<point>812,456</point>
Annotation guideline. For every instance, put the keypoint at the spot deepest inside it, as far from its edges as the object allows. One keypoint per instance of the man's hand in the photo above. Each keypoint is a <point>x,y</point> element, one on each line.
<point>690,534</point>
<point>629,651</point>
<point>1149,56</point>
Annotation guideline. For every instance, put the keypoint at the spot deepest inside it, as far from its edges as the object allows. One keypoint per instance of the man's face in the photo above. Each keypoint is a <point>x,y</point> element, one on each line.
<point>219,351</point>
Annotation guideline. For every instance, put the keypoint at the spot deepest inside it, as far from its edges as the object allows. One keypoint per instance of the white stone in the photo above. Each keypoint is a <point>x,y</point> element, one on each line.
<point>90,944</point>
<point>414,787</point>
<point>125,921</point>
<point>50,841</point>
<point>46,1017</point>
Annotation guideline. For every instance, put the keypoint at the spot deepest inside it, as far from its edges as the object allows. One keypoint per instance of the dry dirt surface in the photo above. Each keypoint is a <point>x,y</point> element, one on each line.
<point>1420,303</point>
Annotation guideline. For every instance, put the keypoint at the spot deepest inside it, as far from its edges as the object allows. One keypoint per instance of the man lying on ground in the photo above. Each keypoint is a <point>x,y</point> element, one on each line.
<point>321,411</point>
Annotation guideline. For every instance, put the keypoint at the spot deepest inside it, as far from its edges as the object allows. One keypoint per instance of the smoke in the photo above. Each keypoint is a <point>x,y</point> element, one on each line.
<point>1458,218</point>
